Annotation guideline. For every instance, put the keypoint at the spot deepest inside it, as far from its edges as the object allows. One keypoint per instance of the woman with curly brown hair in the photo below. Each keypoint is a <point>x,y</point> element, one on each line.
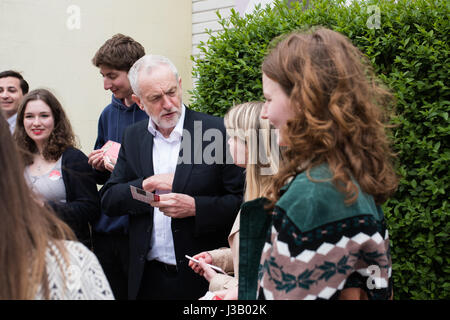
<point>326,232</point>
<point>57,172</point>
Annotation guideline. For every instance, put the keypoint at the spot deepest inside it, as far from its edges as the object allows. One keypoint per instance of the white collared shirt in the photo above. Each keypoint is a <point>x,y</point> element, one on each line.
<point>12,122</point>
<point>165,157</point>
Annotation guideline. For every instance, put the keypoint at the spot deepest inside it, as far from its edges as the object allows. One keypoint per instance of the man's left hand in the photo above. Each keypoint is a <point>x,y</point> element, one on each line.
<point>176,205</point>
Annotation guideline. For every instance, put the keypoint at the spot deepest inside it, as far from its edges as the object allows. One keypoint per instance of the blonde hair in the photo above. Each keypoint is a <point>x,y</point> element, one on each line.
<point>244,122</point>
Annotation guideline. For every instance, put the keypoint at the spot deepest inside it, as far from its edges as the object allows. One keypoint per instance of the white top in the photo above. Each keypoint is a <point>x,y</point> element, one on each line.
<point>165,157</point>
<point>12,122</point>
<point>85,279</point>
<point>50,186</point>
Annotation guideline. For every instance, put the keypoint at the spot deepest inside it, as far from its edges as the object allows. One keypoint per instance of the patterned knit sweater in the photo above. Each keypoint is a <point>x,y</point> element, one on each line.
<point>82,277</point>
<point>316,246</point>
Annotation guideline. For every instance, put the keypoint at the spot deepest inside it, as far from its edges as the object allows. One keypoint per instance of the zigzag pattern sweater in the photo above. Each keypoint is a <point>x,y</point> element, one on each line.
<point>316,246</point>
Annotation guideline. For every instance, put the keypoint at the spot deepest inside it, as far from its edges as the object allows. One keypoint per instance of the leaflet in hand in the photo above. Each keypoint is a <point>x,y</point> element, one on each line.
<point>210,296</point>
<point>142,195</point>
<point>111,150</point>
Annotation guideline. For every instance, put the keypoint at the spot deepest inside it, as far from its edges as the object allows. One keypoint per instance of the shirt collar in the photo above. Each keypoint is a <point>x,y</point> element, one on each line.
<point>12,122</point>
<point>176,133</point>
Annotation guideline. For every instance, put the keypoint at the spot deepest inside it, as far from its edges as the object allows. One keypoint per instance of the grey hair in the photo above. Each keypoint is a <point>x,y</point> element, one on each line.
<point>148,62</point>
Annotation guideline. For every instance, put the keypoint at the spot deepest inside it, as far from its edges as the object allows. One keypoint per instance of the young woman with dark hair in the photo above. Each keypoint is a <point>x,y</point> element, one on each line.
<point>57,172</point>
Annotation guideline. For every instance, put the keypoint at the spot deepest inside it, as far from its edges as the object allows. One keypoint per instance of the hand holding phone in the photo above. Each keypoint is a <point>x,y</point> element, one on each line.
<point>210,265</point>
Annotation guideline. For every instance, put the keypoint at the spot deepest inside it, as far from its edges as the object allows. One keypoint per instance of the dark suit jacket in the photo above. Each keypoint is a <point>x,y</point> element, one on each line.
<point>216,188</point>
<point>83,202</point>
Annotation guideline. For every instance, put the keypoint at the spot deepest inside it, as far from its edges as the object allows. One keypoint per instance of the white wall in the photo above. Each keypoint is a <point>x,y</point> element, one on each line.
<point>204,16</point>
<point>40,39</point>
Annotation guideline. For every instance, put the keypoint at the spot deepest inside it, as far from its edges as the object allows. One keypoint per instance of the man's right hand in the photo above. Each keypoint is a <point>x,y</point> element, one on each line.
<point>96,160</point>
<point>161,182</point>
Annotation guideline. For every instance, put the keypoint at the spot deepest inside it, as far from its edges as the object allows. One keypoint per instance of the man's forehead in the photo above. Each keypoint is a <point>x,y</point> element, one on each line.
<point>158,72</point>
<point>158,80</point>
<point>10,82</point>
<point>104,70</point>
<point>156,90</point>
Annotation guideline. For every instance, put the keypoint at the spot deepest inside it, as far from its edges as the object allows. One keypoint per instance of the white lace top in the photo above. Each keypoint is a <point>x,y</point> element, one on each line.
<point>84,277</point>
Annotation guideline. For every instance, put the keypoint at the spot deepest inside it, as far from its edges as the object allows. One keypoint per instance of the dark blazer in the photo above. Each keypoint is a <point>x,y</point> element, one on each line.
<point>82,205</point>
<point>216,188</point>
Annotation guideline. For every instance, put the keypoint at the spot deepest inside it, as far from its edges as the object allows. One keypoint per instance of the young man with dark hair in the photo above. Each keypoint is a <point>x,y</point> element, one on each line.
<point>12,89</point>
<point>114,58</point>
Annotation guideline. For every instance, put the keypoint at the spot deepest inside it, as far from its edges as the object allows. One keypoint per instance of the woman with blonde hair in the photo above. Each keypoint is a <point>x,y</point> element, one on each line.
<point>327,231</point>
<point>39,257</point>
<point>251,142</point>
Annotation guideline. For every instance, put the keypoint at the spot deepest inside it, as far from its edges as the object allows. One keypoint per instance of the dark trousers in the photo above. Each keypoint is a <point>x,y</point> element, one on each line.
<point>159,282</point>
<point>112,251</point>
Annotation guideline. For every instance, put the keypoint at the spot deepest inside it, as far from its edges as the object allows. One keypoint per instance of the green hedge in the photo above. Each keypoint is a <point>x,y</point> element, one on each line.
<point>410,52</point>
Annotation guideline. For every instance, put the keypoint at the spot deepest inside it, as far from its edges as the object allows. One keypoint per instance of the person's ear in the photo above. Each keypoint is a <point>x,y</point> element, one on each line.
<point>137,100</point>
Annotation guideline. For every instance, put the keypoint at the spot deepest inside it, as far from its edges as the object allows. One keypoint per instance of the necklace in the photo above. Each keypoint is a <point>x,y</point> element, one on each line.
<point>39,164</point>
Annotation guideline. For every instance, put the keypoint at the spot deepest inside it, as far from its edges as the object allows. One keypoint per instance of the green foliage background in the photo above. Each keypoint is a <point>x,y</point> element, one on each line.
<point>409,50</point>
